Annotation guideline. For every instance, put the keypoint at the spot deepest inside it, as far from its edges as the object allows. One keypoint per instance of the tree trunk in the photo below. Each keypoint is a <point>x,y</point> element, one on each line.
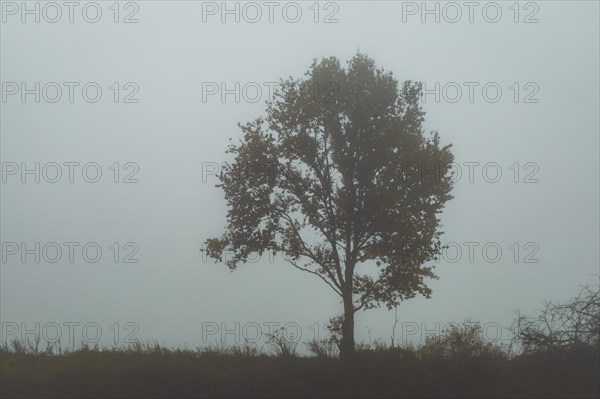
<point>347,348</point>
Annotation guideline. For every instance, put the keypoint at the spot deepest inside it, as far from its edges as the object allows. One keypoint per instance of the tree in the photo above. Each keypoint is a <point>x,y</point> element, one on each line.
<point>339,175</point>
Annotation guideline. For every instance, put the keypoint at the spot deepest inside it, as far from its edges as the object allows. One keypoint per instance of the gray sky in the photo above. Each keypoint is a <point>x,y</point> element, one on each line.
<point>541,134</point>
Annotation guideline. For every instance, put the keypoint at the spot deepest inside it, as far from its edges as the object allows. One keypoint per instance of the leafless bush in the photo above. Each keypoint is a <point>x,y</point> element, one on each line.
<point>568,325</point>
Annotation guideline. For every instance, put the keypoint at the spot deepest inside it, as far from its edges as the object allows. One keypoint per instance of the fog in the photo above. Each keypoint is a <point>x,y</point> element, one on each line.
<point>151,106</point>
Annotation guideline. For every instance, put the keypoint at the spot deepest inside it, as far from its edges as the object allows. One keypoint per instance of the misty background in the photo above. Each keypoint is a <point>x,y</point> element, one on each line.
<point>176,134</point>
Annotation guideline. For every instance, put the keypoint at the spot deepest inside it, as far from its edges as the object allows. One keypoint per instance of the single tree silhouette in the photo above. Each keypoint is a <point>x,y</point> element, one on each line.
<point>340,174</point>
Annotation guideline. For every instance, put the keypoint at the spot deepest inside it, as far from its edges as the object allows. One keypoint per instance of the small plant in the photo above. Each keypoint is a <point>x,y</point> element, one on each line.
<point>246,350</point>
<point>22,346</point>
<point>322,348</point>
<point>283,345</point>
<point>335,330</point>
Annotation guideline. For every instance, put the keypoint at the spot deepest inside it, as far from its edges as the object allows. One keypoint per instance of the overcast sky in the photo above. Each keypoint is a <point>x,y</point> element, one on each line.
<point>532,116</point>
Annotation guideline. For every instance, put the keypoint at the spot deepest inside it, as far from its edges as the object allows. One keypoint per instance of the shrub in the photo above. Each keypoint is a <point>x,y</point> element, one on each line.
<point>568,325</point>
<point>459,342</point>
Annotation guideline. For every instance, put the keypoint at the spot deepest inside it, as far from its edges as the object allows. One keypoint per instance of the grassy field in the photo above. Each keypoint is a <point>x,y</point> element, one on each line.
<point>151,371</point>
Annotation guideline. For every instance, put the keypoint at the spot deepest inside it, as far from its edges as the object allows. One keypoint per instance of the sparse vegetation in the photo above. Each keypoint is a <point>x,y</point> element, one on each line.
<point>150,370</point>
<point>457,363</point>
